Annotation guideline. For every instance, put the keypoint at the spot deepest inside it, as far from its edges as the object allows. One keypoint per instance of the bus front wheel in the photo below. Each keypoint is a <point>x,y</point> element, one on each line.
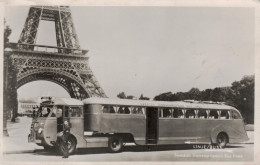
<point>71,146</point>
<point>222,140</point>
<point>115,144</point>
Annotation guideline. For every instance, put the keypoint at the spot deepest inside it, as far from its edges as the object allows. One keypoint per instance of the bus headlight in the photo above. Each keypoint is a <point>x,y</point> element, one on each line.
<point>40,131</point>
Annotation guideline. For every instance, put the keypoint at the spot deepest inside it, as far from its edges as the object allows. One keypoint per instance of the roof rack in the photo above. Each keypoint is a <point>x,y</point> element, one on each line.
<point>205,102</point>
<point>191,101</point>
<point>212,102</point>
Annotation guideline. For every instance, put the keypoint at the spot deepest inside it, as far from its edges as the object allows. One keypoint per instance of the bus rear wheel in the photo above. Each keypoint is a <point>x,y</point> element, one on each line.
<point>115,144</point>
<point>222,140</point>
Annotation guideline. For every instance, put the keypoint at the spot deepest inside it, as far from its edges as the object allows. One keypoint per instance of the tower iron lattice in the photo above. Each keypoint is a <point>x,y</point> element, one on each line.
<point>65,64</point>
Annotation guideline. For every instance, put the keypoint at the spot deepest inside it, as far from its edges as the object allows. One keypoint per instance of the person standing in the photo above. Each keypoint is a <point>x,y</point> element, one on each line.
<point>62,139</point>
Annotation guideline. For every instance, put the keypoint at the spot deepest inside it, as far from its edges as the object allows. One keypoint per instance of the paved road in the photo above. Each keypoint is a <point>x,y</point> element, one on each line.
<point>16,148</point>
<point>138,153</point>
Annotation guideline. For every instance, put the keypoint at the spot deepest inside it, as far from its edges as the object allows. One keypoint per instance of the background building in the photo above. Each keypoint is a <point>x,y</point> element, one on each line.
<point>26,106</point>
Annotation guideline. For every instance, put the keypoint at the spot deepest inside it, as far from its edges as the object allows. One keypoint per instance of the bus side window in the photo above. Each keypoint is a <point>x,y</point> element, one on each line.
<point>123,110</point>
<point>213,114</point>
<point>180,113</point>
<point>202,114</point>
<point>137,110</point>
<point>235,115</point>
<point>127,110</point>
<point>166,112</point>
<point>225,115</point>
<point>76,111</point>
<point>108,109</point>
<point>190,113</point>
<point>66,111</point>
<point>175,113</point>
<point>59,111</point>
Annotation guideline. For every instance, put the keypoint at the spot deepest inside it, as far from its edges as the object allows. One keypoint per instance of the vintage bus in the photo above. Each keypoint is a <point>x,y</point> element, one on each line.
<point>104,122</point>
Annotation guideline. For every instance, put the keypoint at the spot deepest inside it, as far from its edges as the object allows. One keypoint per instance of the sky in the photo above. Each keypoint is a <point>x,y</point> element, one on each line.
<point>152,50</point>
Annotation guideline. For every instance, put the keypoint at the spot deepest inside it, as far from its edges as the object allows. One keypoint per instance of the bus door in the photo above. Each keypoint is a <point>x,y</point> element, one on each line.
<point>66,115</point>
<point>59,115</point>
<point>62,115</point>
<point>151,125</point>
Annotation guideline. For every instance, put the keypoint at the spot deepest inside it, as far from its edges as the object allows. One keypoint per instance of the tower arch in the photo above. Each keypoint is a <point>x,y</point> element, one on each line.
<point>75,89</point>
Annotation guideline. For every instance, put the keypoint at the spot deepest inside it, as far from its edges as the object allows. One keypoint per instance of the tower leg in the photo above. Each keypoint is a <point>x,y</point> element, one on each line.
<point>5,132</point>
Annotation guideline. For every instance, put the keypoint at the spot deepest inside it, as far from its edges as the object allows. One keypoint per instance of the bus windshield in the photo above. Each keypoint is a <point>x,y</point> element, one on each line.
<point>44,111</point>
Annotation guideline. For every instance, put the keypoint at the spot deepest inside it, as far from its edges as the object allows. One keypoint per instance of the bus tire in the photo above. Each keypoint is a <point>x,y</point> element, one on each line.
<point>115,144</point>
<point>71,144</point>
<point>222,140</point>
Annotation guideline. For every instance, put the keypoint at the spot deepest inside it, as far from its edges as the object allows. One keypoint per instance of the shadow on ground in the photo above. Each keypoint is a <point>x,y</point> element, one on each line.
<point>90,151</point>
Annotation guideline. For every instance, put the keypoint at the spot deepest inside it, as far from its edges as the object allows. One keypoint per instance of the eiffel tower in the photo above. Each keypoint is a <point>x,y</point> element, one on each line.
<point>66,64</point>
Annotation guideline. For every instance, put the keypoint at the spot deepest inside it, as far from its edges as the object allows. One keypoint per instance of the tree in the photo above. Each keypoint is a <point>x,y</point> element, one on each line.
<point>222,94</point>
<point>121,95</point>
<point>206,95</point>
<point>163,97</point>
<point>194,94</point>
<point>8,90</point>
<point>143,98</point>
<point>131,97</point>
<point>181,96</point>
<point>244,97</point>
<point>7,33</point>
